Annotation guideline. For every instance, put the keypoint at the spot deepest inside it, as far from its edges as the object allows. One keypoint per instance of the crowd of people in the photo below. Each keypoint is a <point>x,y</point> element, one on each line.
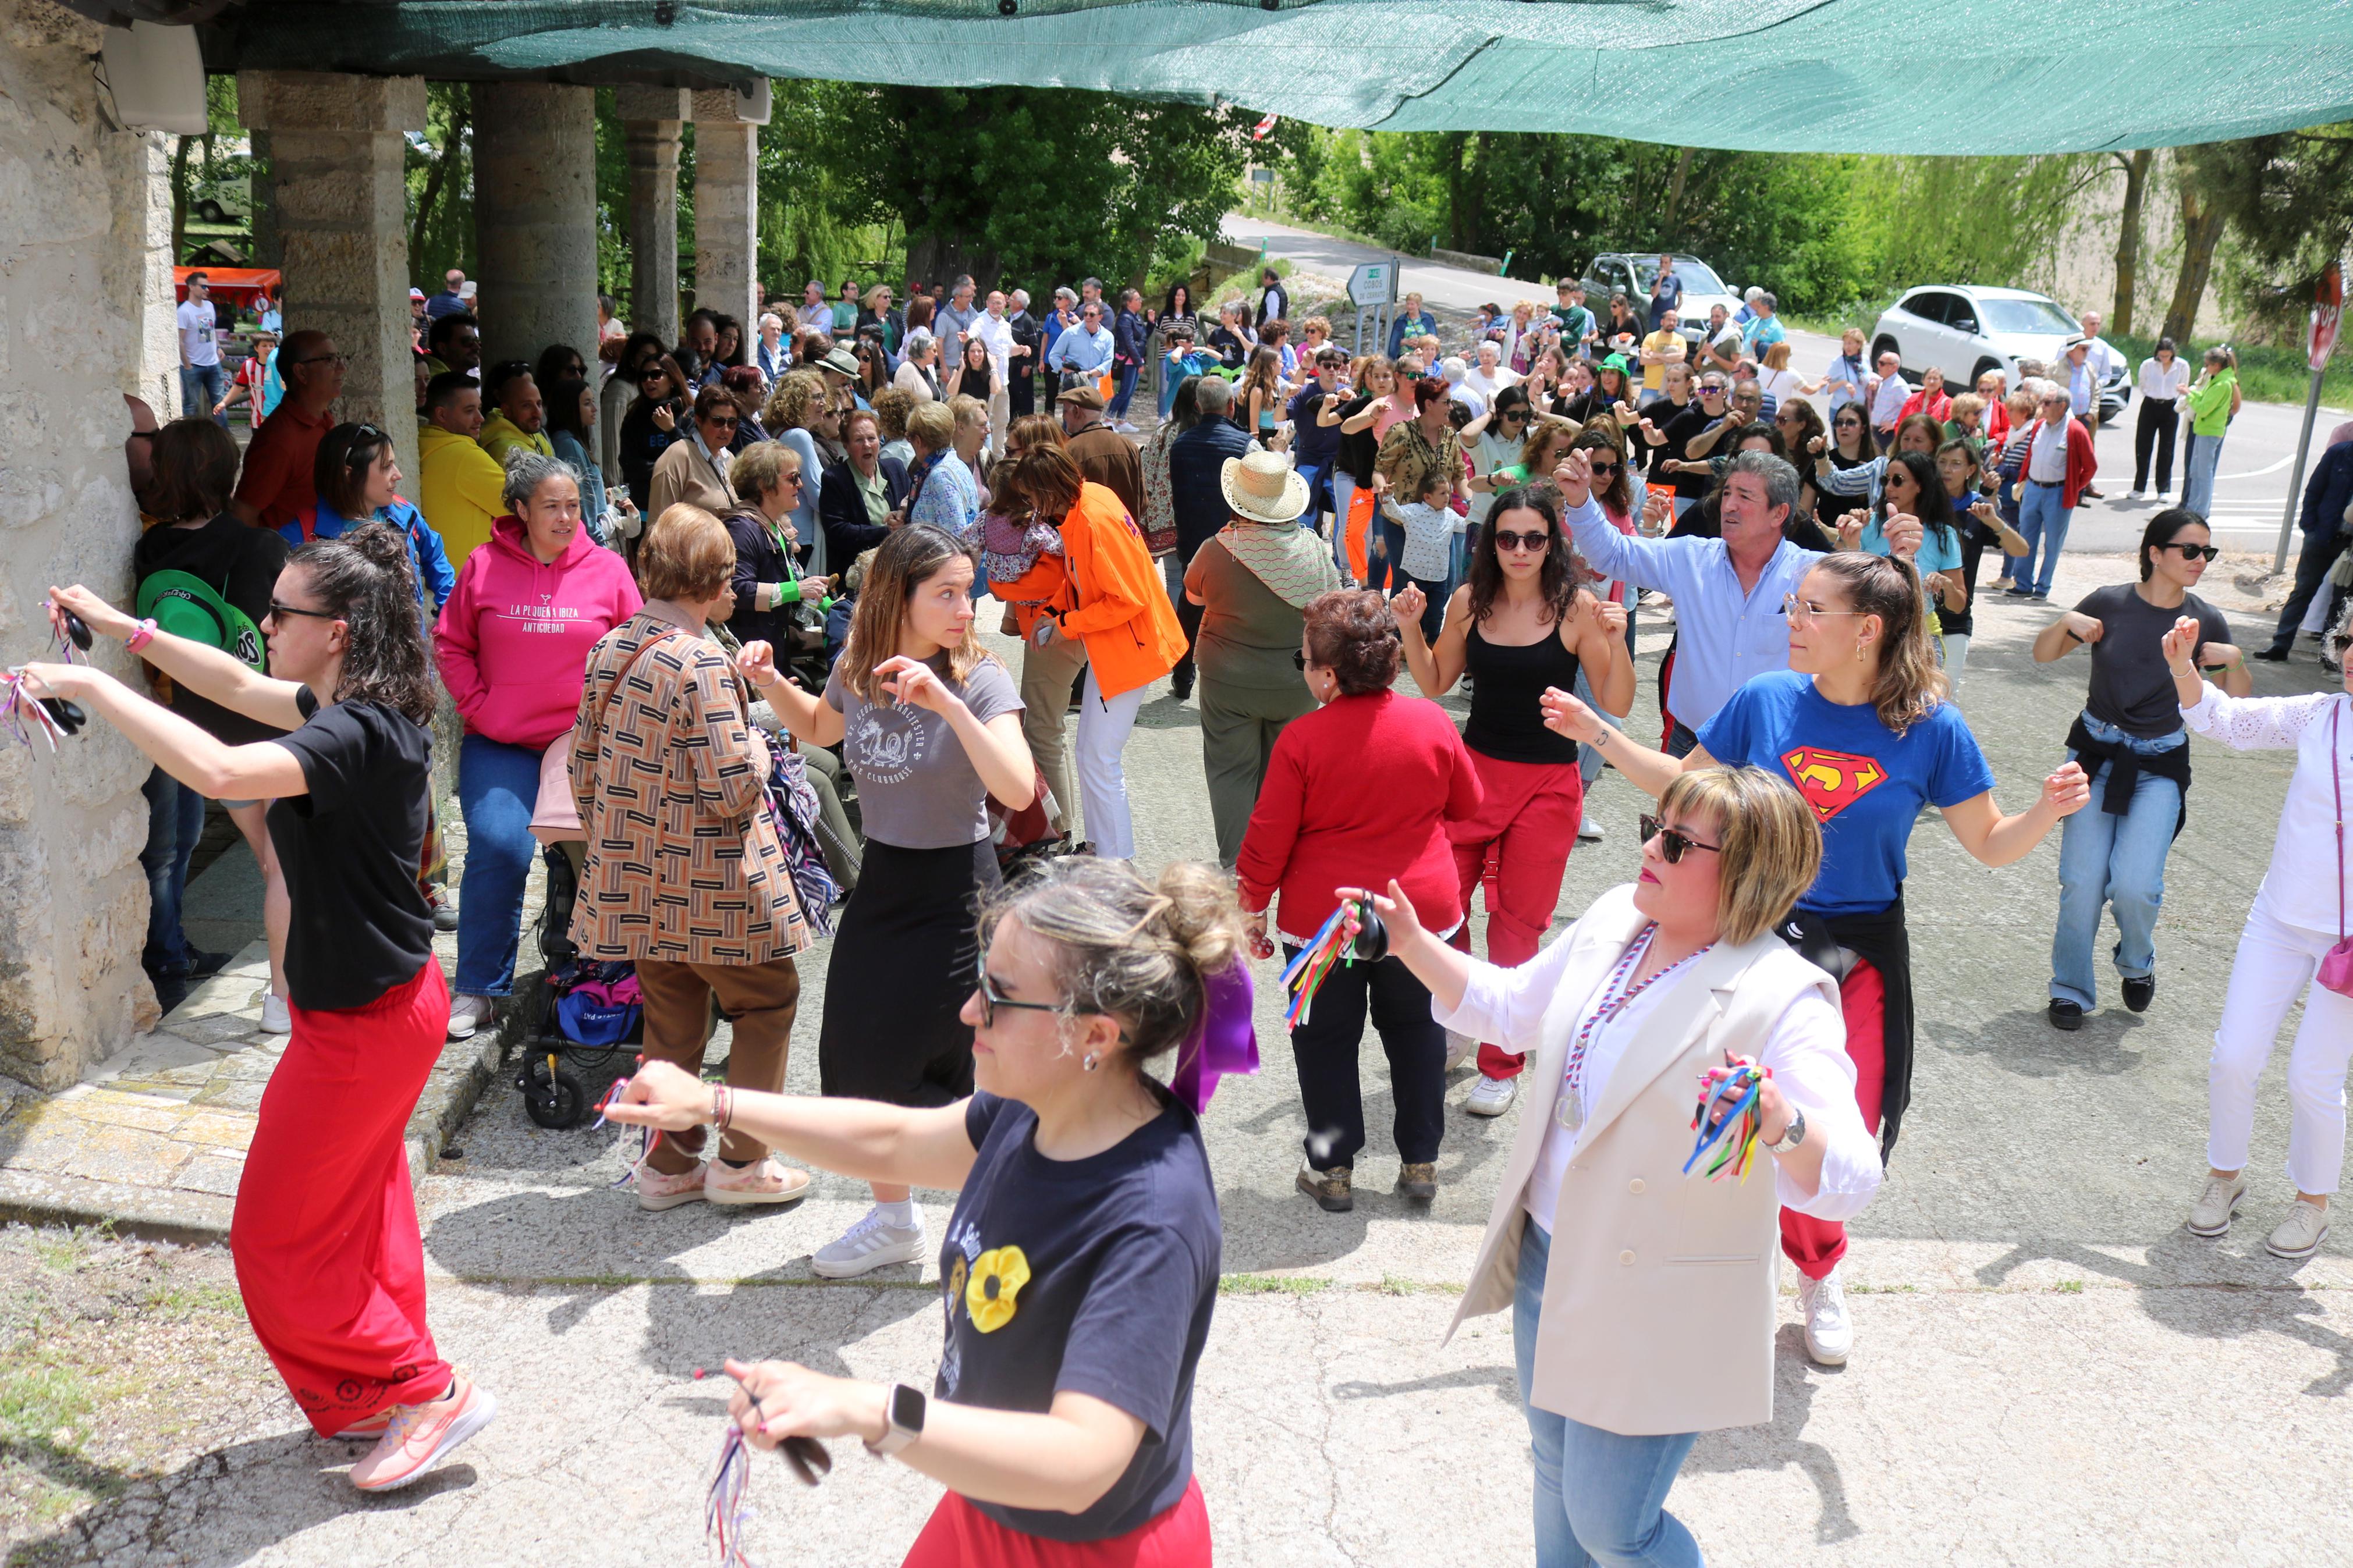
<point>798,604</point>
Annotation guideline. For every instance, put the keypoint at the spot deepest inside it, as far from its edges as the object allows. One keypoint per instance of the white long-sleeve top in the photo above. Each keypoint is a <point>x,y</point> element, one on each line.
<point>1806,1048</point>
<point>2306,877</point>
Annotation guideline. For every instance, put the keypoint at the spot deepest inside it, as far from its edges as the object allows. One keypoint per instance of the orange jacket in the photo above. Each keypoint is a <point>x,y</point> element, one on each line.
<point>1124,614</point>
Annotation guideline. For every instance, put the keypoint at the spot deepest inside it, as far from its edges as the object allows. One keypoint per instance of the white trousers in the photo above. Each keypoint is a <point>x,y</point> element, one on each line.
<point>2275,962</point>
<point>1103,725</point>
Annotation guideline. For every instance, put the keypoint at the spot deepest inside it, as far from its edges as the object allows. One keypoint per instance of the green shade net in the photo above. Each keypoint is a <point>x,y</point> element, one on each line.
<point>1864,76</point>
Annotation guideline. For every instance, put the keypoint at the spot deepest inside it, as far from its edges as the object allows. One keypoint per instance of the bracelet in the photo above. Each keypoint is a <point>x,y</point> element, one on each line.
<point>723,1106</point>
<point>2071,634</point>
<point>141,634</point>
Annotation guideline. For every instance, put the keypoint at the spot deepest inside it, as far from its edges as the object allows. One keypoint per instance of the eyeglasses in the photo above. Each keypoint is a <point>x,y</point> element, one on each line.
<point>282,610</point>
<point>1799,612</point>
<point>344,360</point>
<point>1534,542</point>
<point>1673,845</point>
<point>2194,552</point>
<point>991,998</point>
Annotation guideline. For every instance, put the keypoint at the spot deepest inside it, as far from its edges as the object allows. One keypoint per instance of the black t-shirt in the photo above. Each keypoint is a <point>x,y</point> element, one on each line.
<point>1359,448</point>
<point>240,563</point>
<point>1313,446</point>
<point>350,849</point>
<point>2131,687</point>
<point>1096,1276</point>
<point>1691,421</point>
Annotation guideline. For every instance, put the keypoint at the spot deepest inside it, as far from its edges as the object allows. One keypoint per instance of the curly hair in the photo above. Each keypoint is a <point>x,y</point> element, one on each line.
<point>364,579</point>
<point>1556,581</point>
<point>1352,633</point>
<point>798,396</point>
<point>891,407</point>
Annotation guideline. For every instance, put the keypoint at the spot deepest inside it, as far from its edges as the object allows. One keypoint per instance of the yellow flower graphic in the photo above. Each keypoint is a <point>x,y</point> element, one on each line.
<point>956,1277</point>
<point>996,1278</point>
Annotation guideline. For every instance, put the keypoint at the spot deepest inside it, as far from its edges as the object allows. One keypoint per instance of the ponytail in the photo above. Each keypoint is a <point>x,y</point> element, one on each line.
<point>1910,685</point>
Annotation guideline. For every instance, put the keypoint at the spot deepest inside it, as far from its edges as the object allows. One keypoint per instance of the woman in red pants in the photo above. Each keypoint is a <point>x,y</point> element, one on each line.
<point>324,1234</point>
<point>1521,625</point>
<point>1861,723</point>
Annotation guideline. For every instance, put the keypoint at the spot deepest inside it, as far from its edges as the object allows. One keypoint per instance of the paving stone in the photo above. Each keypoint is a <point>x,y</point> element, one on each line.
<point>210,1173</point>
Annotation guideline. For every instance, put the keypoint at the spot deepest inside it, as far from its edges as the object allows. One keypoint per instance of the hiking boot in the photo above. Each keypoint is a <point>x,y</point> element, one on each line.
<point>1332,1190</point>
<point>1418,1179</point>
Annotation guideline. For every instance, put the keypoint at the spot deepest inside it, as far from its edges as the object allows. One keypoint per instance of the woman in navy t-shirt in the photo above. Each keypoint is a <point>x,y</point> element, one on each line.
<point>1081,1264</point>
<point>1861,724</point>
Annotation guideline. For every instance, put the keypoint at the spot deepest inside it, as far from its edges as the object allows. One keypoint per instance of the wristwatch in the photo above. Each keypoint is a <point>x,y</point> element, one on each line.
<point>903,1418</point>
<point>1792,1136</point>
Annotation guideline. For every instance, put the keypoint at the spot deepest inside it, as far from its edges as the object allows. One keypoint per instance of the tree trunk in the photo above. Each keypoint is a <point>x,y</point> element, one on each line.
<point>1668,233</point>
<point>436,176</point>
<point>180,200</point>
<point>2129,233</point>
<point>1462,221</point>
<point>2201,229</point>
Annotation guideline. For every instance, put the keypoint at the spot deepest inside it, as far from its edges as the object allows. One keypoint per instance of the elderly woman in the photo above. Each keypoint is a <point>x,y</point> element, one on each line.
<point>1362,789</point>
<point>512,645</point>
<point>793,410</point>
<point>942,489</point>
<point>770,591</point>
<point>891,407</point>
<point>1633,1015</point>
<point>918,375</point>
<point>695,470</point>
<point>1253,582</point>
<point>855,501</point>
<point>685,876</point>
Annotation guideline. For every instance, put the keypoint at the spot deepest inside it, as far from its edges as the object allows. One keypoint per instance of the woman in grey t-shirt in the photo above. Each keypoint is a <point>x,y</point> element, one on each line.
<point>930,726</point>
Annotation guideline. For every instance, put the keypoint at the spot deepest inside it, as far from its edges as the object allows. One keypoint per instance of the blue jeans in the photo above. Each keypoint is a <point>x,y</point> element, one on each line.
<point>1123,389</point>
<point>175,820</point>
<point>2198,473</point>
<point>1385,570</point>
<point>1344,496</point>
<point>1600,1498</point>
<point>2117,862</point>
<point>498,789</point>
<point>212,380</point>
<point>2042,518</point>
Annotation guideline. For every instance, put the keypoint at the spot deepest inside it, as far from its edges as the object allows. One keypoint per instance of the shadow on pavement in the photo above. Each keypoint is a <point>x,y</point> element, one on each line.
<point>1781,1445</point>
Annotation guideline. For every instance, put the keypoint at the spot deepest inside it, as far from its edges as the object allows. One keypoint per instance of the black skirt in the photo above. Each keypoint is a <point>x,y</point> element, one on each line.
<point>901,969</point>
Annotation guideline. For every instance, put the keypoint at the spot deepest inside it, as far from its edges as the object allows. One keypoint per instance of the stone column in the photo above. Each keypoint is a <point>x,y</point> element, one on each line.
<point>650,122</point>
<point>340,193</point>
<point>535,217</point>
<point>727,200</point>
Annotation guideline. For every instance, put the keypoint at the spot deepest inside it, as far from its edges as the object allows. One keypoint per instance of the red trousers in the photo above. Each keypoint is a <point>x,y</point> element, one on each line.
<point>1815,1245</point>
<point>959,1535</point>
<point>1517,847</point>
<point>324,1234</point>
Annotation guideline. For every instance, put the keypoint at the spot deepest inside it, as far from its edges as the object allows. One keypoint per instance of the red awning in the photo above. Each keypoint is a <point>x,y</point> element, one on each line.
<point>233,284</point>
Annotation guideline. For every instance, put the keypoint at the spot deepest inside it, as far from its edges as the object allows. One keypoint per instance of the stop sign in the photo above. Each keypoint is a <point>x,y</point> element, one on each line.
<point>2328,307</point>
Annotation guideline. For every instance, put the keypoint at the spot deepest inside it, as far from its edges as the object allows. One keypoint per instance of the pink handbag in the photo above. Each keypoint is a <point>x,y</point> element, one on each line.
<point>2336,964</point>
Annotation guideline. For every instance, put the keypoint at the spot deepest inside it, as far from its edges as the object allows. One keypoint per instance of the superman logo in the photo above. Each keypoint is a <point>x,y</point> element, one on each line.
<point>1832,780</point>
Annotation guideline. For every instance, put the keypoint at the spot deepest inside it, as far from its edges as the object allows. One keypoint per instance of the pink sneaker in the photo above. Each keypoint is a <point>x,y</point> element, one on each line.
<point>370,1426</point>
<point>419,1436</point>
<point>761,1182</point>
<point>656,1191</point>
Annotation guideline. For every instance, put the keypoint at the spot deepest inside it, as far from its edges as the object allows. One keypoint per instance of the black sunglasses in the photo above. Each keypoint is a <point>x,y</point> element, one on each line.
<point>278,609</point>
<point>1299,661</point>
<point>1602,468</point>
<point>2194,552</point>
<point>991,998</point>
<point>1672,845</point>
<point>1532,540</point>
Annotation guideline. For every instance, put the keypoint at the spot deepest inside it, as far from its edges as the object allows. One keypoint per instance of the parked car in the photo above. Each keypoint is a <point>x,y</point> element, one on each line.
<point>1629,273</point>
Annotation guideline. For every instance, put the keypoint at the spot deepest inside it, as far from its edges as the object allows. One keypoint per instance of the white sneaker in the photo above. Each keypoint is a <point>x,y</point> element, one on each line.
<point>1829,1337</point>
<point>1459,1048</point>
<point>275,1018</point>
<point>1588,831</point>
<point>2211,1215</point>
<point>2141,495</point>
<point>468,1014</point>
<point>1491,1096</point>
<point>869,1245</point>
<point>2301,1234</point>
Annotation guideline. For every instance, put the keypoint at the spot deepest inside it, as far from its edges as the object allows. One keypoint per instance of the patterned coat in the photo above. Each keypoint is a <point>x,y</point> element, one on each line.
<point>684,863</point>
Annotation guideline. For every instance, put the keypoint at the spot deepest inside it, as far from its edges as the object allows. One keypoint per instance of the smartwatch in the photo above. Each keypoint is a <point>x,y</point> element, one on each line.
<point>1791,1136</point>
<point>903,1418</point>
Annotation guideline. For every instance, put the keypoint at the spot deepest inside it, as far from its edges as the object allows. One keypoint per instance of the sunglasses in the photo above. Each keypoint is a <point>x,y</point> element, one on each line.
<point>1673,845</point>
<point>1598,469</point>
<point>284,610</point>
<point>2194,552</point>
<point>725,421</point>
<point>1533,542</point>
<point>1706,391</point>
<point>991,998</point>
<point>344,360</point>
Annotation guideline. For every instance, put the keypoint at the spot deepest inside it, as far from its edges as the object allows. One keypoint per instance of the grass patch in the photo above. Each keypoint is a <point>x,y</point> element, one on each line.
<point>1271,1285</point>
<point>2069,1287</point>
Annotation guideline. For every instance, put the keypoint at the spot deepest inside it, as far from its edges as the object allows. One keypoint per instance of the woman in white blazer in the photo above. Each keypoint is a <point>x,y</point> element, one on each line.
<point>1646,1315</point>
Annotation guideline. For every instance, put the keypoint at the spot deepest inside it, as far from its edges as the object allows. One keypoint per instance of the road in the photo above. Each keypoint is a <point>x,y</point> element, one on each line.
<point>2249,493</point>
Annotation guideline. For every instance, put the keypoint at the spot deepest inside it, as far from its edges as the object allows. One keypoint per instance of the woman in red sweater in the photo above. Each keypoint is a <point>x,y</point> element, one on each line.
<point>1362,788</point>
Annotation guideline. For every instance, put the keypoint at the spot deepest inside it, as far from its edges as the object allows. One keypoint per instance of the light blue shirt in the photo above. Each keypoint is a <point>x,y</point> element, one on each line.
<point>1726,637</point>
<point>1077,351</point>
<point>950,496</point>
<point>1763,332</point>
<point>1940,548</point>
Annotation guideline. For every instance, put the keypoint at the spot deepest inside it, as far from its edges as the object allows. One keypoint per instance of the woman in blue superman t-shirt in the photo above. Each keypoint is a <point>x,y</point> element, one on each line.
<point>1860,723</point>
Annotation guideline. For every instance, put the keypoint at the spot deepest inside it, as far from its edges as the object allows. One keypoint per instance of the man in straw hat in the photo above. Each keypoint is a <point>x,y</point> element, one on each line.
<point>1249,586</point>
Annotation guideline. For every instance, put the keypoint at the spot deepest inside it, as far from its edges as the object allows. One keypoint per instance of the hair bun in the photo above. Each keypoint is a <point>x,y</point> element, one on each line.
<point>383,545</point>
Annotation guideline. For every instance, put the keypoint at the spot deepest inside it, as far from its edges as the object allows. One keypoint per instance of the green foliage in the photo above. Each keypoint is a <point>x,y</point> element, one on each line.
<point>811,222</point>
<point>2288,200</point>
<point>440,179</point>
<point>1971,220</point>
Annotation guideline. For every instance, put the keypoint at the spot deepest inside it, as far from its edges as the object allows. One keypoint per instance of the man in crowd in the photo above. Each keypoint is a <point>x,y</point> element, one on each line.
<point>203,382</point>
<point>993,328</point>
<point>1102,453</point>
<point>1664,346</point>
<point>699,346</point>
<point>521,415</point>
<point>1577,323</point>
<point>276,486</point>
<point>954,320</point>
<point>1273,299</point>
<point>1315,448</point>
<point>1084,352</point>
<point>418,321</point>
<point>2075,374</point>
<point>461,486</point>
<point>453,342</point>
<point>1848,378</point>
<point>1765,330</point>
<point>1196,466</point>
<point>1747,312</point>
<point>1666,291</point>
<point>1888,392</point>
<point>451,300</point>
<point>1457,376</point>
<point>2059,463</point>
<point>1022,361</point>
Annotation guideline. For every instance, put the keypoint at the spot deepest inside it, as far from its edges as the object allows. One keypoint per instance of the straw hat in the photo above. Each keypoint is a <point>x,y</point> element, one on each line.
<point>1263,487</point>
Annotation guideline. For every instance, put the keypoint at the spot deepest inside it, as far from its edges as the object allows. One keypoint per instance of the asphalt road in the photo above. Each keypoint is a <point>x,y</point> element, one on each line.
<point>2250,492</point>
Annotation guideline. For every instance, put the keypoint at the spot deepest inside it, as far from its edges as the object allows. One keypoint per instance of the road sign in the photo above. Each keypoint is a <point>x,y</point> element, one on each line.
<point>2328,307</point>
<point>1374,283</point>
<point>2327,310</point>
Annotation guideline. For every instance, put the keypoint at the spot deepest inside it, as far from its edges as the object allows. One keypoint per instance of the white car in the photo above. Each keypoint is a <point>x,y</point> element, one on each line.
<point>1965,330</point>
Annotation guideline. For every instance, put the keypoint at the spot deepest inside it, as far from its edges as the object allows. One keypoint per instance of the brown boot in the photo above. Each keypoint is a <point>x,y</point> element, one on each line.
<point>1330,1189</point>
<point>1418,1179</point>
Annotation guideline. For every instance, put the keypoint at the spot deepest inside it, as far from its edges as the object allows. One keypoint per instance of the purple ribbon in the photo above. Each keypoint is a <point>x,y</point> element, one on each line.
<point>1224,1039</point>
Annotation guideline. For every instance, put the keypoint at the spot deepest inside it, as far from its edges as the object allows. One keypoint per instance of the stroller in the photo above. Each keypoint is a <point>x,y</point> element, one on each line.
<point>587,1014</point>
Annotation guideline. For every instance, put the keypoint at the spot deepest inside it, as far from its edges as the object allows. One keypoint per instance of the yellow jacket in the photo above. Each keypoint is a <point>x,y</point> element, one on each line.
<point>502,435</point>
<point>461,490</point>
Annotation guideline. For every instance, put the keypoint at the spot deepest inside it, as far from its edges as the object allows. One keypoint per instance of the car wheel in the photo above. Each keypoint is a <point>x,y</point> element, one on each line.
<point>1887,345</point>
<point>211,212</point>
<point>1984,365</point>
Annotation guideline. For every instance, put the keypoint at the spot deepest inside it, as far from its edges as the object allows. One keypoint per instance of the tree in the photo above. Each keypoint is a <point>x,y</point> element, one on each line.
<point>2287,200</point>
<point>2204,173</point>
<point>2136,166</point>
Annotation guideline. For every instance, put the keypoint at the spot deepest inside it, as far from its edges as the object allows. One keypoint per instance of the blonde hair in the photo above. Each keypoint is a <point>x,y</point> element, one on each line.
<point>761,468</point>
<point>1910,685</point>
<point>1776,356</point>
<point>1769,845</point>
<point>1966,403</point>
<point>967,409</point>
<point>799,394</point>
<point>933,422</point>
<point>686,554</point>
<point>1546,427</point>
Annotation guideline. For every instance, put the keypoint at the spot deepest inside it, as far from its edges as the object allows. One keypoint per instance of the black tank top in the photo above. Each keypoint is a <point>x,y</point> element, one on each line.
<point>1507,722</point>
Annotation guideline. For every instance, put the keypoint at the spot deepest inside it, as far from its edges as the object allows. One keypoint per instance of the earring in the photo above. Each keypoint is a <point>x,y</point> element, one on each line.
<point>1088,1061</point>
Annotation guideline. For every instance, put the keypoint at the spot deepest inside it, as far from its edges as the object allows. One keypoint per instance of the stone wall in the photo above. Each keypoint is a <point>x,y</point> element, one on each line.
<point>85,292</point>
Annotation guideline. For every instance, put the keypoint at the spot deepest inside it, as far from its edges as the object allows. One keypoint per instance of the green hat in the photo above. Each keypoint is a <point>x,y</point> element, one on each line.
<point>1617,362</point>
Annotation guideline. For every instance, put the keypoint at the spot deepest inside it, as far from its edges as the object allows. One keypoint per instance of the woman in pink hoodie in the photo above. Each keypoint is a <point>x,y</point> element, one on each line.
<point>512,644</point>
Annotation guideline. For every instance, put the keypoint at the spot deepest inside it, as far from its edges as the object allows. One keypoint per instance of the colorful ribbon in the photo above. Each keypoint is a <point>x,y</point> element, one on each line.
<point>1224,1038</point>
<point>1740,1131</point>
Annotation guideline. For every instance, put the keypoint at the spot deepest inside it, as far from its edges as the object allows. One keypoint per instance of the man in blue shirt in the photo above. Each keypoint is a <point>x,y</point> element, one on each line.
<point>1084,352</point>
<point>448,302</point>
<point>1666,290</point>
<point>1764,328</point>
<point>1729,592</point>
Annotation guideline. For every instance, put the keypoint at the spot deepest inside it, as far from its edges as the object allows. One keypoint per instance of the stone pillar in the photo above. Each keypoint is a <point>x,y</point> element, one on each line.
<point>267,250</point>
<point>340,193</point>
<point>535,217</point>
<point>650,122</point>
<point>727,200</point>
